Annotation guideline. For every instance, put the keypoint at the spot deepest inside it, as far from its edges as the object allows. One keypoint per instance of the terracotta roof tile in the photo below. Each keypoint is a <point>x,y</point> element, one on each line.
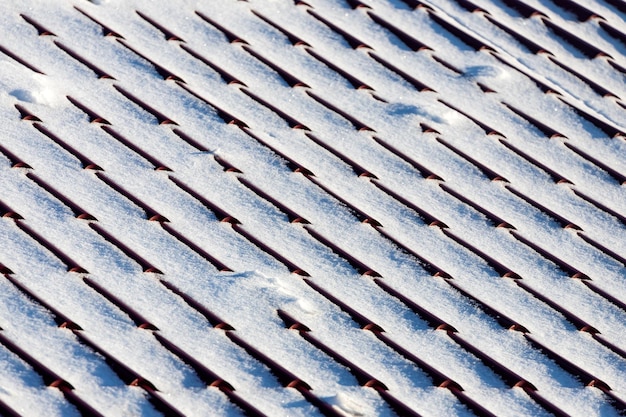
<point>423,171</point>
<point>358,213</point>
<point>357,287</point>
<point>150,214</point>
<point>50,378</point>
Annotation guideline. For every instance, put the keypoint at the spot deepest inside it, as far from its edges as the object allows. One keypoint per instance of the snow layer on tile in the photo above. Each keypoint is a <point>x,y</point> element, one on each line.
<point>532,139</point>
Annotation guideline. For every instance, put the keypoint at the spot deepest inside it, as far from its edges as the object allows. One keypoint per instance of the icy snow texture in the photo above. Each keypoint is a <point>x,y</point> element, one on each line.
<point>249,297</point>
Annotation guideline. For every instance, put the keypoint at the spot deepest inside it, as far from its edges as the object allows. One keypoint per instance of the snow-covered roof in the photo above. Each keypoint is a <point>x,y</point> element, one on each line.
<point>338,207</point>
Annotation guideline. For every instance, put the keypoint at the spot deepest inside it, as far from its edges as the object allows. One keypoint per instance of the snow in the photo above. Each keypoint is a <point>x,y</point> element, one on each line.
<point>259,285</point>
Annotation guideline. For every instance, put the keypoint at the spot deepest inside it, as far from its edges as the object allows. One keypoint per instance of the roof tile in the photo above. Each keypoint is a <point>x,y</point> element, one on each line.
<point>351,341</point>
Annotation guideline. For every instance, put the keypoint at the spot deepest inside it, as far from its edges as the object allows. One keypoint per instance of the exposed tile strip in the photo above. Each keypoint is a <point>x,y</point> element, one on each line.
<point>42,31</point>
<point>59,318</point>
<point>501,319</point>
<point>500,268</point>
<point>222,114</point>
<point>423,171</point>
<point>597,88</point>
<point>428,266</point>
<point>189,140</point>
<point>158,165</point>
<point>358,213</point>
<point>351,40</point>
<point>15,161</point>
<point>226,76</point>
<point>618,176</point>
<point>145,265</point>
<point>290,79</point>
<point>486,128</point>
<point>50,378</point>
<point>542,127</point>
<point>407,39</point>
<point>293,268</point>
<point>295,40</point>
<point>125,373</point>
<point>358,125</point>
<point>293,123</point>
<point>358,266</point>
<point>458,33</point>
<point>562,265</point>
<point>485,170</point>
<point>139,320</point>
<point>586,48</point>
<point>150,214</point>
<point>555,176</point>
<point>291,215</point>
<point>291,164</point>
<point>562,221</point>
<point>209,377</point>
<point>26,115</point>
<point>417,84</point>
<point>232,38</point>
<point>438,378</point>
<point>76,209</point>
<point>106,31</point>
<point>19,60</point>
<point>197,249</point>
<point>432,320</point>
<point>93,117</point>
<point>161,119</point>
<point>354,81</point>
<point>576,321</point>
<point>428,218</point>
<point>211,317</point>
<point>362,377</point>
<point>86,162</point>
<point>493,219</point>
<point>100,73</point>
<point>70,264</point>
<point>358,169</point>
<point>169,36</point>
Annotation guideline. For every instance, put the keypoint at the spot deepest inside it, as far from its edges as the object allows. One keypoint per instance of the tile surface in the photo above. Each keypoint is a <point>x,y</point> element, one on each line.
<point>394,207</point>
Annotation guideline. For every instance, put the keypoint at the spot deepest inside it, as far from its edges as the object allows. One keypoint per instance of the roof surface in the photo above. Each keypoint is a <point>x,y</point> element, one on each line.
<point>394,207</point>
